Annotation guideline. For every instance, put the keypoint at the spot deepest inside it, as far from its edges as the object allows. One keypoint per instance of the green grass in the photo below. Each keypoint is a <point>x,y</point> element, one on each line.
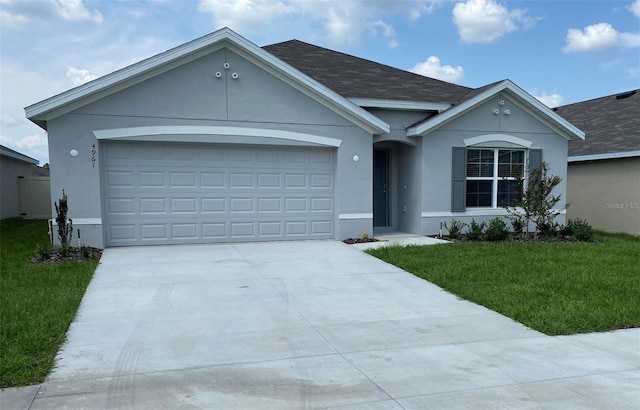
<point>556,288</point>
<point>37,302</point>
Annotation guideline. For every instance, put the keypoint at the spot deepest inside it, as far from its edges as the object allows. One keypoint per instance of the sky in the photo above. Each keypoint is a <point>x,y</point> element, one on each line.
<point>559,51</point>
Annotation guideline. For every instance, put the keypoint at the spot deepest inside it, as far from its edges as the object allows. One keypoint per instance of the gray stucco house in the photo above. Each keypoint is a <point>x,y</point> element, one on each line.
<point>222,140</point>
<point>603,177</point>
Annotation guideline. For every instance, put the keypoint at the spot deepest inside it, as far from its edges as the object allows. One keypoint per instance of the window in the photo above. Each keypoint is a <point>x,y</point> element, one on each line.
<point>493,177</point>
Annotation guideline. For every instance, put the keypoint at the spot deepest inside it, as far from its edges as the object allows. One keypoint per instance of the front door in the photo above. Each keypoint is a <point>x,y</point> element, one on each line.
<point>380,187</point>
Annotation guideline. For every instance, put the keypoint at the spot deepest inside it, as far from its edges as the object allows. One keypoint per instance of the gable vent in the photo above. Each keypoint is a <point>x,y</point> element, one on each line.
<point>625,95</point>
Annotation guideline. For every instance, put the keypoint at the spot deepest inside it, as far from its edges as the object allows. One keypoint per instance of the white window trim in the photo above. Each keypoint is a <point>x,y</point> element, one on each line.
<point>495,178</point>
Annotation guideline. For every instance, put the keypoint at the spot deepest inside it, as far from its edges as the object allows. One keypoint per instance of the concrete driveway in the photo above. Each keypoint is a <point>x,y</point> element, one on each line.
<point>315,324</point>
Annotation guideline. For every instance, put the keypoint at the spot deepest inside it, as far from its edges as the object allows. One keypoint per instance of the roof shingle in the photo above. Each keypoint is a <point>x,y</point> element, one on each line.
<point>354,77</point>
<point>611,125</point>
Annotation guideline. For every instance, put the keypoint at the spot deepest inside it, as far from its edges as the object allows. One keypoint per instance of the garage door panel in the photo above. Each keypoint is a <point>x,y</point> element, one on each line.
<point>178,193</point>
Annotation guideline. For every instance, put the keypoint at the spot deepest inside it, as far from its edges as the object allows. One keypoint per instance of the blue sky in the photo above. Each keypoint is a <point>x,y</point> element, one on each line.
<point>559,51</point>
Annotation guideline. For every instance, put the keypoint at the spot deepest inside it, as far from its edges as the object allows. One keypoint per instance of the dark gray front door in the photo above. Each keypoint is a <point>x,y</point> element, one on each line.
<point>380,187</point>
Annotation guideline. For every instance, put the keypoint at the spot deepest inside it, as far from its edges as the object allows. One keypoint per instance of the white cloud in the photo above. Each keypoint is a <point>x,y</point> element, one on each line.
<point>343,23</point>
<point>387,32</point>
<point>594,37</point>
<point>629,40</point>
<point>484,21</point>
<point>600,36</point>
<point>78,77</point>
<point>635,8</point>
<point>75,10</point>
<point>31,142</point>
<point>16,13</point>
<point>432,68</point>
<point>245,16</point>
<point>550,100</point>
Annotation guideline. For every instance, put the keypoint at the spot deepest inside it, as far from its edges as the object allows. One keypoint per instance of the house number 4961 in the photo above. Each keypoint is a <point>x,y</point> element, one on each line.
<point>93,155</point>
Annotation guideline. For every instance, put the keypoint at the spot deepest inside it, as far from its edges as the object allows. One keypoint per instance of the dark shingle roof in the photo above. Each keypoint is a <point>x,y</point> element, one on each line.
<point>611,124</point>
<point>354,77</point>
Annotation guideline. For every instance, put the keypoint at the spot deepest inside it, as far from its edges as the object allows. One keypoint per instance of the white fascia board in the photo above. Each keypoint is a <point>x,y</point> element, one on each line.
<point>129,133</point>
<point>570,131</point>
<point>18,156</point>
<point>612,155</point>
<point>400,105</point>
<point>47,109</point>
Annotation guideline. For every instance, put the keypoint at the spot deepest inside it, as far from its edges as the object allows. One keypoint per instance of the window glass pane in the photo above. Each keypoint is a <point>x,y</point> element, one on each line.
<point>479,193</point>
<point>479,163</point>
<point>509,192</point>
<point>510,163</point>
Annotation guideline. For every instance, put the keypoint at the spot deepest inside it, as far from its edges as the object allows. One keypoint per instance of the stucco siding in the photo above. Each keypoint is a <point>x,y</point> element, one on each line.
<point>606,193</point>
<point>437,157</point>
<point>191,95</point>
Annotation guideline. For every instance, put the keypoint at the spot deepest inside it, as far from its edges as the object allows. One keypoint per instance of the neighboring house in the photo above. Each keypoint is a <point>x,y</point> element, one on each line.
<point>221,140</point>
<point>25,186</point>
<point>603,180</point>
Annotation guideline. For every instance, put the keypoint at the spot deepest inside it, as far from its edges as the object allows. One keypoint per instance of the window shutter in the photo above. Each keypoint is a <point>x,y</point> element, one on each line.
<point>535,159</point>
<point>458,179</point>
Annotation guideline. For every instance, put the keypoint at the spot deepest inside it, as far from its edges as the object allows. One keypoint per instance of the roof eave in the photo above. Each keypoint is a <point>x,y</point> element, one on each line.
<point>565,128</point>
<point>597,157</point>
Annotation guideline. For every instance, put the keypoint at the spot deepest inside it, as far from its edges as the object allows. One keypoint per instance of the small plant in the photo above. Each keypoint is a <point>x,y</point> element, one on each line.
<point>65,225</point>
<point>365,237</point>
<point>536,203</point>
<point>580,230</point>
<point>455,229</point>
<point>518,226</point>
<point>497,230</point>
<point>476,230</point>
<point>43,251</point>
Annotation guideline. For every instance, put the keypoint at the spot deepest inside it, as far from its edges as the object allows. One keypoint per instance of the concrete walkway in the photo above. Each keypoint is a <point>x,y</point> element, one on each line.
<point>316,324</point>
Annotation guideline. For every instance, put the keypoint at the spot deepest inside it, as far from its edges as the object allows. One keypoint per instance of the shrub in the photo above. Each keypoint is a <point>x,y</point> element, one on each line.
<point>517,225</point>
<point>476,230</point>
<point>537,202</point>
<point>497,230</point>
<point>65,226</point>
<point>455,229</point>
<point>580,230</point>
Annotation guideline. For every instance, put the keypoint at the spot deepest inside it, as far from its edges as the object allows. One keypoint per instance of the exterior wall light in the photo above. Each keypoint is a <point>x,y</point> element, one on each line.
<point>356,158</point>
<point>226,66</point>
<point>73,152</point>
<point>234,76</point>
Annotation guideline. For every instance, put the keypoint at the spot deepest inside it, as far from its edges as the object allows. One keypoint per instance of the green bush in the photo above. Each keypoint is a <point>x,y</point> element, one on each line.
<point>455,229</point>
<point>497,230</point>
<point>579,229</point>
<point>476,230</point>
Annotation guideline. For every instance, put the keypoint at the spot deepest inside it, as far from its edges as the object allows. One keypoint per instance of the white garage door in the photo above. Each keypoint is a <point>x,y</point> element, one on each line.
<point>186,193</point>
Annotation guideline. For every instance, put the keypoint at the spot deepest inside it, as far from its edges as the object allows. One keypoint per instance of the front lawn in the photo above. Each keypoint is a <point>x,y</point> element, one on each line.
<point>37,302</point>
<point>556,288</point>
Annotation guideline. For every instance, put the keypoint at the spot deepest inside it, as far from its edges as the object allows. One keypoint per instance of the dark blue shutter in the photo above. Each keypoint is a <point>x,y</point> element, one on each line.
<point>459,179</point>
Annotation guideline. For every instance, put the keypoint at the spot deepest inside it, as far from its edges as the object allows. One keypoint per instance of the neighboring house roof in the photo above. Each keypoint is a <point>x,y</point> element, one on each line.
<point>611,124</point>
<point>482,94</point>
<point>8,152</point>
<point>77,97</point>
<point>354,77</point>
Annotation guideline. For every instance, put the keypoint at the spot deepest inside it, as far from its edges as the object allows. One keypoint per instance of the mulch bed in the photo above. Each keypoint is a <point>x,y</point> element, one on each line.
<point>351,241</point>
<point>73,254</point>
